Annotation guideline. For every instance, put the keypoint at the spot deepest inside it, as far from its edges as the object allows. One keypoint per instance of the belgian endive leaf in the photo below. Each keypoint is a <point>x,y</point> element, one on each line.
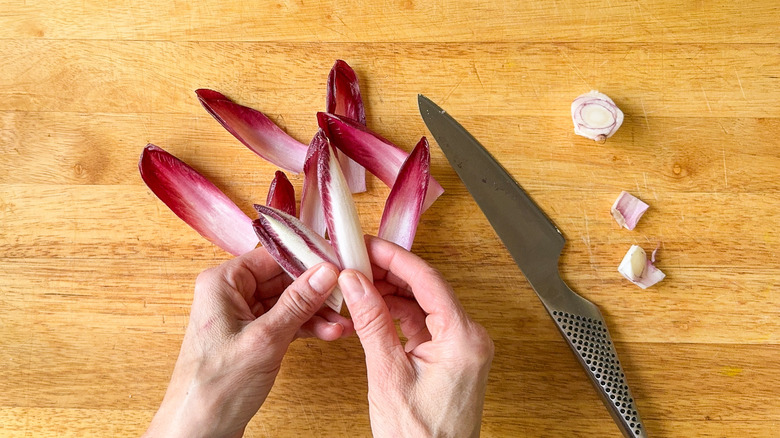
<point>343,98</point>
<point>196,201</point>
<point>311,201</point>
<point>404,204</point>
<point>343,223</point>
<point>255,130</point>
<point>281,194</point>
<point>377,155</point>
<point>294,246</point>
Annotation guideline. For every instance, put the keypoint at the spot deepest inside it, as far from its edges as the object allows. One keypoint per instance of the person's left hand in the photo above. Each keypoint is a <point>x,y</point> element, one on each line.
<point>245,313</point>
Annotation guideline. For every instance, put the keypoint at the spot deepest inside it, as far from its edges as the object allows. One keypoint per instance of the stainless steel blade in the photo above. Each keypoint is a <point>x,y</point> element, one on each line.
<point>535,244</point>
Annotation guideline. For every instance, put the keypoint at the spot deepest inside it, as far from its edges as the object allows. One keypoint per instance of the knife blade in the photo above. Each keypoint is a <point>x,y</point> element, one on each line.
<point>535,244</point>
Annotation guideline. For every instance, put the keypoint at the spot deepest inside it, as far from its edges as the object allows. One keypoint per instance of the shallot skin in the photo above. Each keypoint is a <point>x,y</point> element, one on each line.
<point>595,116</point>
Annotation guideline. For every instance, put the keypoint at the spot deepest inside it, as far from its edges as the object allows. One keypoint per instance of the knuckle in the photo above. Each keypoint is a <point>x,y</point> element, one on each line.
<point>300,302</point>
<point>479,345</point>
<point>368,321</point>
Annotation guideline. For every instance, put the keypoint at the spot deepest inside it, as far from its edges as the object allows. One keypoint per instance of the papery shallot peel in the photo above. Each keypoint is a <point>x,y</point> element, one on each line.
<point>255,130</point>
<point>294,246</point>
<point>197,201</point>
<point>403,208</point>
<point>281,194</point>
<point>595,116</point>
<point>311,202</point>
<point>341,217</point>
<point>377,155</point>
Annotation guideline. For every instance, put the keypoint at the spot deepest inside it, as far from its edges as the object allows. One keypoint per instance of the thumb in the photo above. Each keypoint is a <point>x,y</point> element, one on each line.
<point>301,300</point>
<point>373,322</point>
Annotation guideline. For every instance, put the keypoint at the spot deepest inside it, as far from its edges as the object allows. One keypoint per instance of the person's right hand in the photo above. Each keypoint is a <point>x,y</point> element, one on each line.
<point>434,385</point>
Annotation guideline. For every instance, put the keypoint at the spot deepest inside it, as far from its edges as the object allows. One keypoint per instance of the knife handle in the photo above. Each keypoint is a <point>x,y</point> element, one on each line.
<point>589,339</point>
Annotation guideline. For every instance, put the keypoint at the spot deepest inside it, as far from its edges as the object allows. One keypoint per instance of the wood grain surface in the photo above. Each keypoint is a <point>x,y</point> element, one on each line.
<point>96,274</point>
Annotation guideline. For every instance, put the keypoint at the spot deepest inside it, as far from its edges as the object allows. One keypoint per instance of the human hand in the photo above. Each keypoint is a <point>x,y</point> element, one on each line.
<point>434,385</point>
<point>245,313</point>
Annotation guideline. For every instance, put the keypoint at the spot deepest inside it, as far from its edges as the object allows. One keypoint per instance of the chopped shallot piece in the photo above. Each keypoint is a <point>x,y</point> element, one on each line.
<point>627,210</point>
<point>638,269</point>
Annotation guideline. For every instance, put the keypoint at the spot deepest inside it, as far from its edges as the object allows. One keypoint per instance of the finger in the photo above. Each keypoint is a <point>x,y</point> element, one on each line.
<point>409,314</point>
<point>412,320</point>
<point>429,288</point>
<point>319,327</point>
<point>245,273</point>
<point>300,301</point>
<point>371,317</point>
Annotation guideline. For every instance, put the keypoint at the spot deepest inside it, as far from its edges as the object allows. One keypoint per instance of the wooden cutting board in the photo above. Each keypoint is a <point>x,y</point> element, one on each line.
<point>96,274</point>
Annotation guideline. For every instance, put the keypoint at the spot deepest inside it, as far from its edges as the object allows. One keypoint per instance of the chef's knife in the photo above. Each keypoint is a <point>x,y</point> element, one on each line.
<point>535,243</point>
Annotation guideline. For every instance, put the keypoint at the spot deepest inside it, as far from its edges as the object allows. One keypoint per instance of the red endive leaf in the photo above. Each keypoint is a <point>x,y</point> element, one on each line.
<point>294,246</point>
<point>377,155</point>
<point>341,216</point>
<point>311,202</point>
<point>196,201</point>
<point>344,93</point>
<point>344,99</point>
<point>255,130</point>
<point>404,204</point>
<point>281,194</point>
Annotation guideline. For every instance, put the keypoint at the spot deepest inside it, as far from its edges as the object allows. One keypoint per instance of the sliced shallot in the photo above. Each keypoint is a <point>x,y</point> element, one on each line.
<point>197,201</point>
<point>403,208</point>
<point>595,116</point>
<point>627,210</point>
<point>255,130</point>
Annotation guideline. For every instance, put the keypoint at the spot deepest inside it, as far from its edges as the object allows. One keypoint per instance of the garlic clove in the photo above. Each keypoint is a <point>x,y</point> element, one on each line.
<point>627,210</point>
<point>595,116</point>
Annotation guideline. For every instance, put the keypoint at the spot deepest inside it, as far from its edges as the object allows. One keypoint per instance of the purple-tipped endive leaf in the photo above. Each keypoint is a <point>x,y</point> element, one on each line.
<point>404,204</point>
<point>312,214</point>
<point>377,155</point>
<point>255,130</point>
<point>341,216</point>
<point>294,245</point>
<point>344,93</point>
<point>197,201</point>
<point>344,99</point>
<point>281,194</point>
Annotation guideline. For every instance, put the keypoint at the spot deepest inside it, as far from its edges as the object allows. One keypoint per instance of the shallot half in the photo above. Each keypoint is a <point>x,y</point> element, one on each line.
<point>595,116</point>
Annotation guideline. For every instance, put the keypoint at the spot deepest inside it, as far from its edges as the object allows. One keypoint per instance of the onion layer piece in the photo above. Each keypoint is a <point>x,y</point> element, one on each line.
<point>255,130</point>
<point>404,204</point>
<point>627,210</point>
<point>638,269</point>
<point>197,201</point>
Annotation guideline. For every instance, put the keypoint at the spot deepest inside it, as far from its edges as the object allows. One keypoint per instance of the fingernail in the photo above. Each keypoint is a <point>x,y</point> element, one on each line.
<point>351,286</point>
<point>323,279</point>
